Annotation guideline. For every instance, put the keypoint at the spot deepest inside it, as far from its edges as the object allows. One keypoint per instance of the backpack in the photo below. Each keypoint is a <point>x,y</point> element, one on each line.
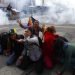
<point>59,48</point>
<point>40,41</point>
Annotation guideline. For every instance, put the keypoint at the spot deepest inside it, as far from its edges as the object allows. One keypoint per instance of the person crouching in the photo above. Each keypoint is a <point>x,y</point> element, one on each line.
<point>31,53</point>
<point>16,49</point>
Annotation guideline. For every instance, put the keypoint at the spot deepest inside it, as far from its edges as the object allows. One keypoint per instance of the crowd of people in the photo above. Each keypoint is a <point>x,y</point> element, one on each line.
<point>30,50</point>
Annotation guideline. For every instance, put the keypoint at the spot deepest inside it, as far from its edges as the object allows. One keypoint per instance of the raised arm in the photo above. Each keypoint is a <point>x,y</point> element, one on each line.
<point>21,25</point>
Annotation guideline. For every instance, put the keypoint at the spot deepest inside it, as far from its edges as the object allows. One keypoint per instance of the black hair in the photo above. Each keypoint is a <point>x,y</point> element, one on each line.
<point>36,21</point>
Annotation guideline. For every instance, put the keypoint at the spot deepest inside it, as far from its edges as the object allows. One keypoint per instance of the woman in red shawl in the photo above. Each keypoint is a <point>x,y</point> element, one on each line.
<point>48,46</point>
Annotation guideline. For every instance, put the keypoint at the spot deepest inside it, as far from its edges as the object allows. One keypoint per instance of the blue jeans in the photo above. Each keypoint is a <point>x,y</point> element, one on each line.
<point>11,59</point>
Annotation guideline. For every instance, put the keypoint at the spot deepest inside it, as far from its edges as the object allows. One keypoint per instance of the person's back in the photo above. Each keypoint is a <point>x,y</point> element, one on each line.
<point>48,48</point>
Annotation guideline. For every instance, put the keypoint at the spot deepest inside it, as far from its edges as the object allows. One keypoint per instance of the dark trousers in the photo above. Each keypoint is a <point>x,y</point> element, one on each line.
<point>27,63</point>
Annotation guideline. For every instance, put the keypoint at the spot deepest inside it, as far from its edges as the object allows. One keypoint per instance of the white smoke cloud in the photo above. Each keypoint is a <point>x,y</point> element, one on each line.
<point>3,18</point>
<point>38,2</point>
<point>61,11</point>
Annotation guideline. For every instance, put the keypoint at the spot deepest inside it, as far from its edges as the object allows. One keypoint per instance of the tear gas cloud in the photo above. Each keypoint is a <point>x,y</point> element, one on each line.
<point>59,12</point>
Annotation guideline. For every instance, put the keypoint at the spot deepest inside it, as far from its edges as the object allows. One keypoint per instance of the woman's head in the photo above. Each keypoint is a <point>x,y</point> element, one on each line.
<point>36,24</point>
<point>28,32</point>
<point>51,29</point>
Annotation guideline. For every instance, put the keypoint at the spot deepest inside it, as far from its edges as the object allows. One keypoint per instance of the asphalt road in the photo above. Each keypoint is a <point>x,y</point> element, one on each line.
<point>13,70</point>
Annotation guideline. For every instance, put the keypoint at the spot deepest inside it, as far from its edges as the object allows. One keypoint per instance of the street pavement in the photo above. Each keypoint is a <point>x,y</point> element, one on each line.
<point>13,70</point>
